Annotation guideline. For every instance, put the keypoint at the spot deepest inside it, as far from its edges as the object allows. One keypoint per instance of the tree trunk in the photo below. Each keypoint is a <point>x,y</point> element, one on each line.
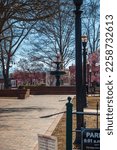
<point>7,83</point>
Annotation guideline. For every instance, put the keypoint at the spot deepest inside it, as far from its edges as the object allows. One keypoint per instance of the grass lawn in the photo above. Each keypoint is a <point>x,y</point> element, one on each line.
<point>60,130</point>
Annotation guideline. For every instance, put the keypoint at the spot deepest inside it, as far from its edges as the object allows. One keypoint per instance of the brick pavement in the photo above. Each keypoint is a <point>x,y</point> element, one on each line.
<point>20,120</point>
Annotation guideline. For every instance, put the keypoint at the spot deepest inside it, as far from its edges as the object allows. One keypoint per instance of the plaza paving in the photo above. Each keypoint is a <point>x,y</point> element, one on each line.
<point>20,120</point>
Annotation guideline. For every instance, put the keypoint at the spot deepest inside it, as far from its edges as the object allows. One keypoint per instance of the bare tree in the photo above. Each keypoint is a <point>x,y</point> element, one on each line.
<point>13,37</point>
<point>25,10</point>
<point>17,17</point>
<point>91,23</point>
<point>33,66</point>
<point>55,36</point>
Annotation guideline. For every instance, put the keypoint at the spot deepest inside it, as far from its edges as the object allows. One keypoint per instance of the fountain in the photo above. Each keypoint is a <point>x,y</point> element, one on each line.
<point>58,72</point>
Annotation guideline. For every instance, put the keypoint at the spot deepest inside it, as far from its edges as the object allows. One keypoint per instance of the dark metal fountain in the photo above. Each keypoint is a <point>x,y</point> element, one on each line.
<point>58,72</point>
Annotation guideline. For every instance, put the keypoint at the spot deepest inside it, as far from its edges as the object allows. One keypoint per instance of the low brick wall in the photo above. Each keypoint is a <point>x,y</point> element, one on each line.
<point>52,90</point>
<point>23,93</point>
<point>19,93</point>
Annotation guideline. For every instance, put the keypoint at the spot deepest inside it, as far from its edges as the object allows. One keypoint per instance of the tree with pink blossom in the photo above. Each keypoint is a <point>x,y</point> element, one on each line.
<point>93,68</point>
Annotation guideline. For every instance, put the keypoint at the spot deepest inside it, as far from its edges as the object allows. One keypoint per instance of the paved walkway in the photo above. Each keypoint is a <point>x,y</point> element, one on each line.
<point>20,120</point>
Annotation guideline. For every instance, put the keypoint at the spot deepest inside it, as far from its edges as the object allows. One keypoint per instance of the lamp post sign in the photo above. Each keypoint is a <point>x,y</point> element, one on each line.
<point>90,139</point>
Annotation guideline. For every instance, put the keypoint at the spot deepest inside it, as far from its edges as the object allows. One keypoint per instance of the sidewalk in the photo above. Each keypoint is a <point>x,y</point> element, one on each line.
<point>20,120</point>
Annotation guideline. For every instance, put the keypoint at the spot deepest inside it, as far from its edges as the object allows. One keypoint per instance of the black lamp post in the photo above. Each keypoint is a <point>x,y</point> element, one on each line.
<point>84,44</point>
<point>90,77</point>
<point>78,47</point>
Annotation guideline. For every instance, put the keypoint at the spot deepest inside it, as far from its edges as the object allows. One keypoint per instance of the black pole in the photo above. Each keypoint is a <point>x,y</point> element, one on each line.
<point>57,73</point>
<point>97,115</point>
<point>84,74</point>
<point>90,81</point>
<point>78,47</point>
<point>69,106</point>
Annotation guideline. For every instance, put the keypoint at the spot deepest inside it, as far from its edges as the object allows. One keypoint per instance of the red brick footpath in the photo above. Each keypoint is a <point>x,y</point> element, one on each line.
<point>20,121</point>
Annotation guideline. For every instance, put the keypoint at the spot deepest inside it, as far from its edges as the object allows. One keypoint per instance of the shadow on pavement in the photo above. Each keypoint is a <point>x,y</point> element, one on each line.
<point>24,109</point>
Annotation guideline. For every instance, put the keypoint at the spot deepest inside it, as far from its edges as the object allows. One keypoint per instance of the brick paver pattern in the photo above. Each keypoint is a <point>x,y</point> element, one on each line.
<point>20,120</point>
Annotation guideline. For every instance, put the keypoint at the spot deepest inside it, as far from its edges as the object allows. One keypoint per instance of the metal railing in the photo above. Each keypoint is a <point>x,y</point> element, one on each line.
<point>69,122</point>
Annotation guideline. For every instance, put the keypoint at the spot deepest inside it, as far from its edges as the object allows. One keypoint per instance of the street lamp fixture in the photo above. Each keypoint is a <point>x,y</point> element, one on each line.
<point>84,40</point>
<point>84,44</point>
